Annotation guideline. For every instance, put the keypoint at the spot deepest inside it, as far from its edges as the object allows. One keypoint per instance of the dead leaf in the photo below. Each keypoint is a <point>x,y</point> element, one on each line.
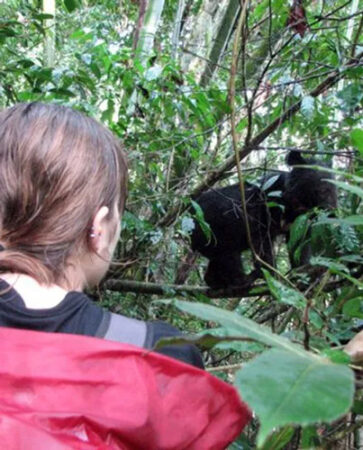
<point>297,18</point>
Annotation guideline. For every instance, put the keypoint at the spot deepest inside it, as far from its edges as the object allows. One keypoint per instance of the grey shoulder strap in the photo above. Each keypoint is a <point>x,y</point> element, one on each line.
<point>124,329</point>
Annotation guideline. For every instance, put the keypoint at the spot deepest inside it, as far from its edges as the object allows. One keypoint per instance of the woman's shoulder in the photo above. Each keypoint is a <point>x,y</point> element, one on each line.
<point>146,334</point>
<point>117,327</point>
<point>187,353</point>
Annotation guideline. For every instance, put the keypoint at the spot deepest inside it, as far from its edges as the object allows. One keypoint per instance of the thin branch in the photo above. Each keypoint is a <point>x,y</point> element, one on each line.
<point>142,287</point>
<point>338,437</point>
<point>305,151</point>
<point>224,368</point>
<point>258,290</point>
<point>231,98</point>
<point>342,19</point>
<point>319,18</point>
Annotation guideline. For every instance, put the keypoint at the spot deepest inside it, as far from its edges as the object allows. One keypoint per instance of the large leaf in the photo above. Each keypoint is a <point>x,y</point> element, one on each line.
<point>348,187</point>
<point>356,220</point>
<point>237,325</point>
<point>298,231</point>
<point>353,220</point>
<point>285,385</point>
<point>206,341</point>
<point>284,388</point>
<point>330,263</point>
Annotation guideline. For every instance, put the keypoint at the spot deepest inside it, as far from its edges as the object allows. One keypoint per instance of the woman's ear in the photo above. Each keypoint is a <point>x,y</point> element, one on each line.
<point>98,235</point>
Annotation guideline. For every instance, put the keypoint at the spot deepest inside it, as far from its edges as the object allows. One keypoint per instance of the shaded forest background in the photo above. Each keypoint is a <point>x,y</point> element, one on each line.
<point>192,87</point>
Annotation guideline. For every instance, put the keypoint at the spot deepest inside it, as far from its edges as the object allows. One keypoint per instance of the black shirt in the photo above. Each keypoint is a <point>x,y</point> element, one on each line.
<point>77,314</point>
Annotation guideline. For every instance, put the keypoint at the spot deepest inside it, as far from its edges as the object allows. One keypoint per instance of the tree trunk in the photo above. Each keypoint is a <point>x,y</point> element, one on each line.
<point>49,41</point>
<point>177,28</point>
<point>145,43</point>
<point>149,17</point>
<point>221,40</point>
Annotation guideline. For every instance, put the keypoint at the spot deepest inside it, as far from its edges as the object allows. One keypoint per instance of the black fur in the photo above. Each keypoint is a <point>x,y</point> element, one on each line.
<point>296,192</point>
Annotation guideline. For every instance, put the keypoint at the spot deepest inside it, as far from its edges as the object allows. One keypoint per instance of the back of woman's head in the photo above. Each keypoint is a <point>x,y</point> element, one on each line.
<point>57,168</point>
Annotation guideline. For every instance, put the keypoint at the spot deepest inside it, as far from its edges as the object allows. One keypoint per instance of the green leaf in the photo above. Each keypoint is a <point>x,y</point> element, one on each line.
<point>358,407</point>
<point>43,16</point>
<point>279,439</point>
<point>237,325</point>
<point>241,346</point>
<point>337,356</point>
<point>337,172</point>
<point>269,182</point>
<point>354,307</point>
<point>353,280</point>
<point>71,5</point>
<point>286,385</point>
<point>357,139</point>
<point>356,220</point>
<point>315,319</point>
<point>81,36</point>
<point>284,294</point>
<point>348,187</point>
<point>332,264</point>
<point>63,92</point>
<point>199,215</point>
<point>353,220</point>
<point>284,388</point>
<point>310,438</point>
<point>207,341</point>
<point>241,125</point>
<point>298,233</point>
<point>351,96</point>
<point>298,230</point>
<point>95,70</point>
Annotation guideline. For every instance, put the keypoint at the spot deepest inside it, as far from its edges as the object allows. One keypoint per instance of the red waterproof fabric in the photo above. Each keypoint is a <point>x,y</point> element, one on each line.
<point>61,391</point>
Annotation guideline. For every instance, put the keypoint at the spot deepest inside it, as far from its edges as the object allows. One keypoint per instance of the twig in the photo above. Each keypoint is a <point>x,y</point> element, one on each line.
<point>348,430</point>
<point>343,19</point>
<point>285,321</point>
<point>224,368</point>
<point>231,97</point>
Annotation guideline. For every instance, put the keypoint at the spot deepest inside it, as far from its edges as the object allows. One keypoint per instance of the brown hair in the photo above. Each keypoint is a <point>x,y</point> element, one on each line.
<point>57,168</point>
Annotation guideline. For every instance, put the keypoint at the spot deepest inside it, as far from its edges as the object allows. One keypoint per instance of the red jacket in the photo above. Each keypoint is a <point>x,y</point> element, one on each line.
<point>61,391</point>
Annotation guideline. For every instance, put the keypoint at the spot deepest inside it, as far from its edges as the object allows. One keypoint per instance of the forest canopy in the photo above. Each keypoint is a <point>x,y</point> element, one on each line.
<point>207,94</point>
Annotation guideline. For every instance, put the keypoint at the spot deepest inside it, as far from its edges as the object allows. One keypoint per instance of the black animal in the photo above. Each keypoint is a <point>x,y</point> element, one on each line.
<point>272,205</point>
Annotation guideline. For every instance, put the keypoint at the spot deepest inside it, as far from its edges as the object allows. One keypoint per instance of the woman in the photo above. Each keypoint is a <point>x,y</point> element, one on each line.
<point>63,184</point>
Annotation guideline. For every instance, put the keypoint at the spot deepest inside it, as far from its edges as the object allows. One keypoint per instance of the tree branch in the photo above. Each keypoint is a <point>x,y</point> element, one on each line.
<point>142,287</point>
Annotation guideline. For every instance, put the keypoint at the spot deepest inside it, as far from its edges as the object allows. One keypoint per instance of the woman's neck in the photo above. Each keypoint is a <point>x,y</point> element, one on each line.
<point>35,295</point>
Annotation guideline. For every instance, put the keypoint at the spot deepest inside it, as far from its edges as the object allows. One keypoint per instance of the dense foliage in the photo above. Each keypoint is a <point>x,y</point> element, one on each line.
<point>288,76</point>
